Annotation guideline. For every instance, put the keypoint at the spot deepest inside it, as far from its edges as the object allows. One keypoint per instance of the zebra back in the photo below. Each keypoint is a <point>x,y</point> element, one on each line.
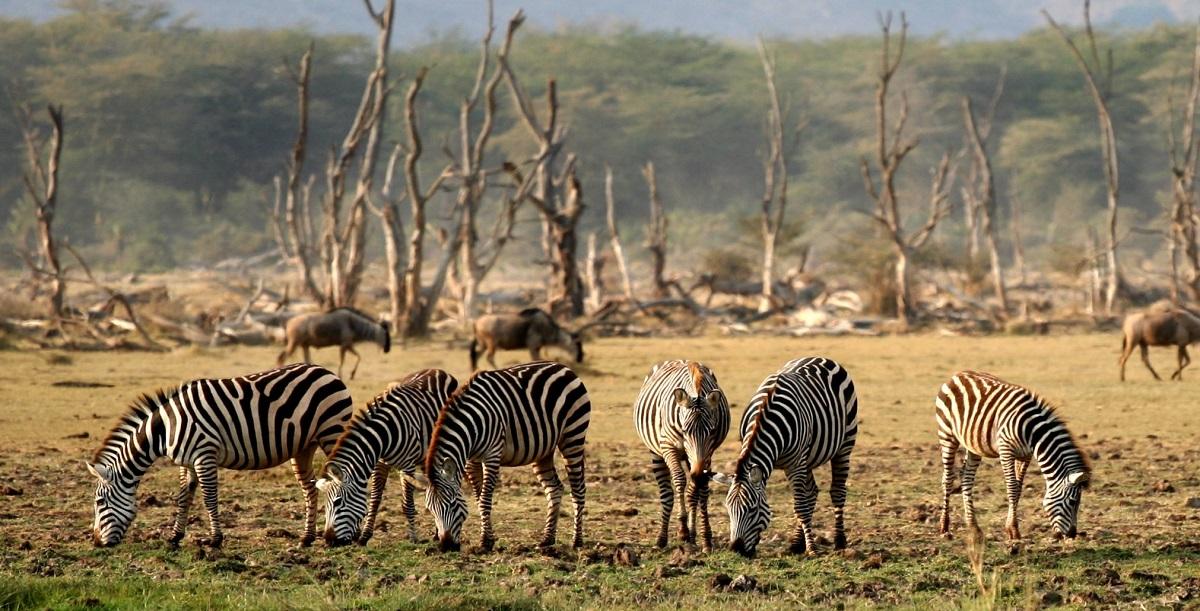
<point>528,410</point>
<point>396,425</point>
<point>807,412</point>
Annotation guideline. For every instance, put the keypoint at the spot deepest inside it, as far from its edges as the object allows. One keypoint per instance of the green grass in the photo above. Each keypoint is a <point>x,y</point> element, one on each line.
<point>1141,546</point>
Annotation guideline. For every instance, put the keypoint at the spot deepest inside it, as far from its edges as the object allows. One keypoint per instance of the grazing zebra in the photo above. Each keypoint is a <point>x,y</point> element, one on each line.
<point>251,422</point>
<point>993,418</point>
<point>393,432</point>
<point>507,418</point>
<point>682,416</point>
<point>801,417</point>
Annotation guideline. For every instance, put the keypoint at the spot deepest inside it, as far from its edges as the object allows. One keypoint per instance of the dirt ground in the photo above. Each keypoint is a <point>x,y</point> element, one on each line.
<point>1140,520</point>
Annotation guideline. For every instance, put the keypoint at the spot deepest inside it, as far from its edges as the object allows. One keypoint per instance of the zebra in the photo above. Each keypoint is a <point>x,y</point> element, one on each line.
<point>801,417</point>
<point>393,432</point>
<point>250,422</point>
<point>682,416</point>
<point>506,418</point>
<point>990,417</point>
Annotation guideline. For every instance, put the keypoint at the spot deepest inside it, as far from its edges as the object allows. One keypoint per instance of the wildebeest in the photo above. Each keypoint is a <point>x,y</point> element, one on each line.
<point>1171,327</point>
<point>531,328</point>
<point>342,327</point>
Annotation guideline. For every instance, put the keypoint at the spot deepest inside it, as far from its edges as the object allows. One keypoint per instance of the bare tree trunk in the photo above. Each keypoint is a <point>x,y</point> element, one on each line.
<point>41,182</point>
<point>614,236</point>
<point>593,272</point>
<point>1014,222</point>
<point>775,179</point>
<point>1094,276</point>
<point>298,223</point>
<point>985,194</point>
<point>1101,91</point>
<point>656,235</point>
<point>1183,154</point>
<point>393,236</point>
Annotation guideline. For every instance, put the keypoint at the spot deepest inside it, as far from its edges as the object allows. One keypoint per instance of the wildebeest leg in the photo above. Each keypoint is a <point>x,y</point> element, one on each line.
<point>307,355</point>
<point>1184,361</point>
<point>357,359</point>
<point>1126,350</point>
<point>491,353</point>
<point>1146,360</point>
<point>536,353</point>
<point>286,354</point>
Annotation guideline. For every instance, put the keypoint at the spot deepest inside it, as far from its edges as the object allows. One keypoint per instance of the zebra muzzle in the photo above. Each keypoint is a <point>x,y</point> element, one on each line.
<point>446,544</point>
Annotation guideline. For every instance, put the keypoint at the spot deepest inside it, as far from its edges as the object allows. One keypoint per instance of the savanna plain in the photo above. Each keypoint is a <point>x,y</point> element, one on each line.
<point>1140,544</point>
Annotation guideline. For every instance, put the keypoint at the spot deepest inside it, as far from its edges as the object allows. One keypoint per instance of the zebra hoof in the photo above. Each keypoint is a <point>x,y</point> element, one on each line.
<point>307,541</point>
<point>839,541</point>
<point>661,543</point>
<point>798,548</point>
<point>173,542</point>
<point>362,541</point>
<point>213,542</point>
<point>577,543</point>
<point>947,535</point>
<point>488,544</point>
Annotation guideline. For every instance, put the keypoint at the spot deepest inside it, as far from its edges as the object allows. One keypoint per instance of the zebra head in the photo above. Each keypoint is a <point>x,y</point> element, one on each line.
<point>345,499</point>
<point>444,499</point>
<point>115,506</point>
<point>1061,502</point>
<point>749,513</point>
<point>698,420</point>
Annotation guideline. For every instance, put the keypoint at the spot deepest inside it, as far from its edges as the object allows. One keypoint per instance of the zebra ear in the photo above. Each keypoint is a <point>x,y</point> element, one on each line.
<point>713,398</point>
<point>323,484</point>
<point>1078,478</point>
<point>446,469</point>
<point>100,471</point>
<point>333,472</point>
<point>416,480</point>
<point>722,478</point>
<point>681,397</point>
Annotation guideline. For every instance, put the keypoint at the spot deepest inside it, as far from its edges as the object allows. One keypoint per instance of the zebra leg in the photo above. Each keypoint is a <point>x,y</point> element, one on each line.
<point>701,490</point>
<point>804,499</point>
<point>575,476</point>
<point>837,495</point>
<point>302,468</point>
<point>183,501</point>
<point>491,477</point>
<point>206,474</point>
<point>666,497</point>
<point>553,488</point>
<point>410,507</point>
<point>1013,485</point>
<point>679,482</point>
<point>970,464</point>
<point>379,478</point>
<point>1146,360</point>
<point>949,449</point>
<point>475,477</point>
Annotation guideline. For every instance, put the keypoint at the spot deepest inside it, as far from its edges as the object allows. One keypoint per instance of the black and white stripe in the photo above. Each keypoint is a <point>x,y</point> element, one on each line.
<point>801,417</point>
<point>506,418</point>
<point>990,417</point>
<point>682,416</point>
<point>251,422</point>
<point>393,433</point>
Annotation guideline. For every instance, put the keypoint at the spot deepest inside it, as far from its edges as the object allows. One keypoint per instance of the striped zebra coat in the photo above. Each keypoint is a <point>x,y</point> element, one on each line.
<point>801,417</point>
<point>682,416</point>
<point>989,417</point>
<point>256,421</point>
<point>508,417</point>
<point>393,433</point>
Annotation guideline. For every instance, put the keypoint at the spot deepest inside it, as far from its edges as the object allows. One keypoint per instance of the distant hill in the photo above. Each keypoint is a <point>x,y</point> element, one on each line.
<point>741,20</point>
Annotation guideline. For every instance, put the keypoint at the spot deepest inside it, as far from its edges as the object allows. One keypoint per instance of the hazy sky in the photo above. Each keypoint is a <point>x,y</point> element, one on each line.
<point>737,19</point>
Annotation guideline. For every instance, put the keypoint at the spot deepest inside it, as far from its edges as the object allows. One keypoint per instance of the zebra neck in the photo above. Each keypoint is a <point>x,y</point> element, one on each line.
<point>132,454</point>
<point>1052,446</point>
<point>362,446</point>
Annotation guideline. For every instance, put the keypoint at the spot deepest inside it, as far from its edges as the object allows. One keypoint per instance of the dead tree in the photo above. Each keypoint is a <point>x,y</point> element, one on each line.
<point>1014,225</point>
<point>889,153</point>
<point>614,236</point>
<point>1183,155</point>
<point>41,183</point>
<point>593,274</point>
<point>558,194</point>
<point>775,178</point>
<point>971,212</point>
<point>656,235</point>
<point>982,196</point>
<point>1093,69</point>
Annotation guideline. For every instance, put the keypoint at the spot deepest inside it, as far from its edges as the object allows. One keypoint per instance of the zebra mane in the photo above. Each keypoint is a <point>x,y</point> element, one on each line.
<point>137,413</point>
<point>1051,408</point>
<point>436,435</point>
<point>697,377</point>
<point>755,425</point>
<point>356,421</point>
